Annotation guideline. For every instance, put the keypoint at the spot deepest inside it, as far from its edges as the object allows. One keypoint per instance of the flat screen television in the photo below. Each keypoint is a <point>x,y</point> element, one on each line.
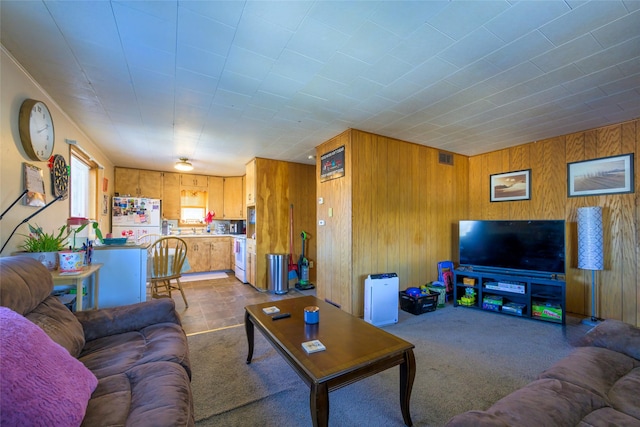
<point>518,246</point>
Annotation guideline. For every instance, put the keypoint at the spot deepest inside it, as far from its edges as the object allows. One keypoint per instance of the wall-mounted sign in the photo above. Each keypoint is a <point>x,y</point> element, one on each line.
<point>332,164</point>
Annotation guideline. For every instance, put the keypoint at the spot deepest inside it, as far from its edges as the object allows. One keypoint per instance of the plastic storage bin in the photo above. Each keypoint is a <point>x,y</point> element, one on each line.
<point>418,305</point>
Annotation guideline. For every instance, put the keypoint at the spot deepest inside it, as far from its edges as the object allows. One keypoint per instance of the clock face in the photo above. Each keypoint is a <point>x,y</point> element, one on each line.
<point>59,176</point>
<point>36,129</point>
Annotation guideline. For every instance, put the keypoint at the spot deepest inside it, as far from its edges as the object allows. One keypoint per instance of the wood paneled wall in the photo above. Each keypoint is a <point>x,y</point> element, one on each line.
<point>618,289</point>
<point>395,210</point>
<point>279,185</point>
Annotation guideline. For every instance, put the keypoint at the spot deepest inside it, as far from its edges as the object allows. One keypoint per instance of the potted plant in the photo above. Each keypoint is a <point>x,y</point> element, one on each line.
<point>76,257</point>
<point>44,246</point>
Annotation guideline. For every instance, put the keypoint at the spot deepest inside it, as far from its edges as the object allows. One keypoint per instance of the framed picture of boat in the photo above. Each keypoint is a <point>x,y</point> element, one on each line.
<point>510,186</point>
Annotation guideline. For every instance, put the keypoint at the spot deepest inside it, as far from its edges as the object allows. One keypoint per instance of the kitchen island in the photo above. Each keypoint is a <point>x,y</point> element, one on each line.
<point>123,276</point>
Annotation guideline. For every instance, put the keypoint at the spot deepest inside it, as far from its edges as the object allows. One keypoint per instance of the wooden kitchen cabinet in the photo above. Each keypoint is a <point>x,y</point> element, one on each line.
<point>170,195</point>
<point>199,182</point>
<point>220,259</point>
<point>138,183</point>
<point>215,196</point>
<point>233,196</point>
<point>250,183</point>
<point>198,253</point>
<point>208,253</point>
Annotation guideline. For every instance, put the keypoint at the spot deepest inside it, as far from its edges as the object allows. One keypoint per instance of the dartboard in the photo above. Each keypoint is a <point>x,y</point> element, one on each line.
<point>59,176</point>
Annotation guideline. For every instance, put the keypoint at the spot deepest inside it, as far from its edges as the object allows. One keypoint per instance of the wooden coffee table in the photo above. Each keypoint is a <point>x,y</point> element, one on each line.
<point>355,350</point>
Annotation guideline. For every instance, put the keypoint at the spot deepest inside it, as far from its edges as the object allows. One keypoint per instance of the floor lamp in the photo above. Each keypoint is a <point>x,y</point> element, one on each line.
<point>590,250</point>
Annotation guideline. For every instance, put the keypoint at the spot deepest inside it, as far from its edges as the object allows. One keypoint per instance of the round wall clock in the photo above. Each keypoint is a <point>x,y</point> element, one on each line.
<point>59,176</point>
<point>36,129</point>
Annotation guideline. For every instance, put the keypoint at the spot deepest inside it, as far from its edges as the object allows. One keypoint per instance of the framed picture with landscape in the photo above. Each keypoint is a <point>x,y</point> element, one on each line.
<point>607,175</point>
<point>510,186</point>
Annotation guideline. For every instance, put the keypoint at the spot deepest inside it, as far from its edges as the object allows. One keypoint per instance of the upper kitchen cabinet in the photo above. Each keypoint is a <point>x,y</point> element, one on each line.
<point>233,197</point>
<point>215,196</point>
<point>170,195</point>
<point>199,182</point>
<point>138,183</point>
<point>250,183</point>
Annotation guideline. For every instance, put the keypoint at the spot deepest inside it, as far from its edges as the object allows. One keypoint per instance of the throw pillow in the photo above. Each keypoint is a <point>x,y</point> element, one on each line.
<point>40,382</point>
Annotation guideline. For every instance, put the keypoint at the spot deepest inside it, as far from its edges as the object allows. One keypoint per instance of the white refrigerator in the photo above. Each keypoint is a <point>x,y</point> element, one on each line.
<point>133,217</point>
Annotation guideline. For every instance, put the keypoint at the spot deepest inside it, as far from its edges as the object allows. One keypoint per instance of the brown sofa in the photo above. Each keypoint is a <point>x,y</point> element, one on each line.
<point>137,357</point>
<point>598,384</point>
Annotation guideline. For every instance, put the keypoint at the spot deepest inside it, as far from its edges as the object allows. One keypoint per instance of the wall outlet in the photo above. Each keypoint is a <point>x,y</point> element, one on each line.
<point>310,264</point>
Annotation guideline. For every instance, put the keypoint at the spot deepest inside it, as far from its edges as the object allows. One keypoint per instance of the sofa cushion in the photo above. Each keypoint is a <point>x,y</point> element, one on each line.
<point>544,402</point>
<point>40,380</point>
<point>608,417</point>
<point>24,283</point>
<point>614,335</point>
<point>625,394</point>
<point>60,324</point>
<point>115,354</point>
<point>593,368</point>
<point>155,394</point>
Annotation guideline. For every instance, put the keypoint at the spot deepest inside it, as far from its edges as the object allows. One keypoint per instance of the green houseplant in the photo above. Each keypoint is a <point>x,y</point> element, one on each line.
<point>43,246</point>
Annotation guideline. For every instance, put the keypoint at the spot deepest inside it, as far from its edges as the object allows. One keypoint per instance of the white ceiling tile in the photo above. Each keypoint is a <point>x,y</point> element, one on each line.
<point>430,71</point>
<point>593,80</point>
<point>188,79</point>
<point>343,68</point>
<point>142,78</point>
<point>200,61</point>
<point>248,63</point>
<point>344,16</point>
<point>144,28</point>
<point>524,17</point>
<point>225,12</point>
<point>287,15</point>
<point>421,45</point>
<point>588,16</point>
<point>369,42</point>
<point>572,51</point>
<point>262,37</point>
<point>204,33</point>
<point>317,40</point>
<point>514,76</point>
<point>280,85</point>
<point>460,18</point>
<point>473,47</point>
<point>296,66</point>
<point>408,18</point>
<point>475,73</point>
<point>238,83</point>
<point>613,55</point>
<point>519,51</point>
<point>621,85</point>
<point>618,31</point>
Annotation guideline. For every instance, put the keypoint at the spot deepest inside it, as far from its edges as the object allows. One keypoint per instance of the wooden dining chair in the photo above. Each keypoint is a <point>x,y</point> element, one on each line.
<point>167,256</point>
<point>148,239</point>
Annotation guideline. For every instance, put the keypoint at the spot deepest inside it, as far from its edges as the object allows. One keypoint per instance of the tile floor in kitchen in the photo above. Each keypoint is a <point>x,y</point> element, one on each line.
<point>219,303</point>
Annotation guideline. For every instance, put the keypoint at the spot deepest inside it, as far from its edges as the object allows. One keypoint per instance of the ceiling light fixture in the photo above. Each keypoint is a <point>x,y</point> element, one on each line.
<point>183,165</point>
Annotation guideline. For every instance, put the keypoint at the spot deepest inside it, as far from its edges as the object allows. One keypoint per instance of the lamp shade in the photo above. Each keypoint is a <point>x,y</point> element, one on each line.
<point>590,238</point>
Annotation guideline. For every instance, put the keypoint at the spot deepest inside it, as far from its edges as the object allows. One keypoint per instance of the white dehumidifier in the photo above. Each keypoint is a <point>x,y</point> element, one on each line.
<point>381,299</point>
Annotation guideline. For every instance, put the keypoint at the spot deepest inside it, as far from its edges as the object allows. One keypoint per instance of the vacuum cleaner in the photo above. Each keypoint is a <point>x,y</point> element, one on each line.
<point>303,268</point>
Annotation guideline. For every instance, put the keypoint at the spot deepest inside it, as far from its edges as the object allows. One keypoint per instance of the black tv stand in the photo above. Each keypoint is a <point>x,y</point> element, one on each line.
<point>531,295</point>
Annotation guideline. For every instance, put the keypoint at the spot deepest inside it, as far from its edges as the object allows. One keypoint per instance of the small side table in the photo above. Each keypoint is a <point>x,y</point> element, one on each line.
<point>76,279</point>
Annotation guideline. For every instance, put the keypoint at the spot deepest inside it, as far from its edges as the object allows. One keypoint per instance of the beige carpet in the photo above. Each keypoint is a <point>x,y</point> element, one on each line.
<point>195,277</point>
<point>466,359</point>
